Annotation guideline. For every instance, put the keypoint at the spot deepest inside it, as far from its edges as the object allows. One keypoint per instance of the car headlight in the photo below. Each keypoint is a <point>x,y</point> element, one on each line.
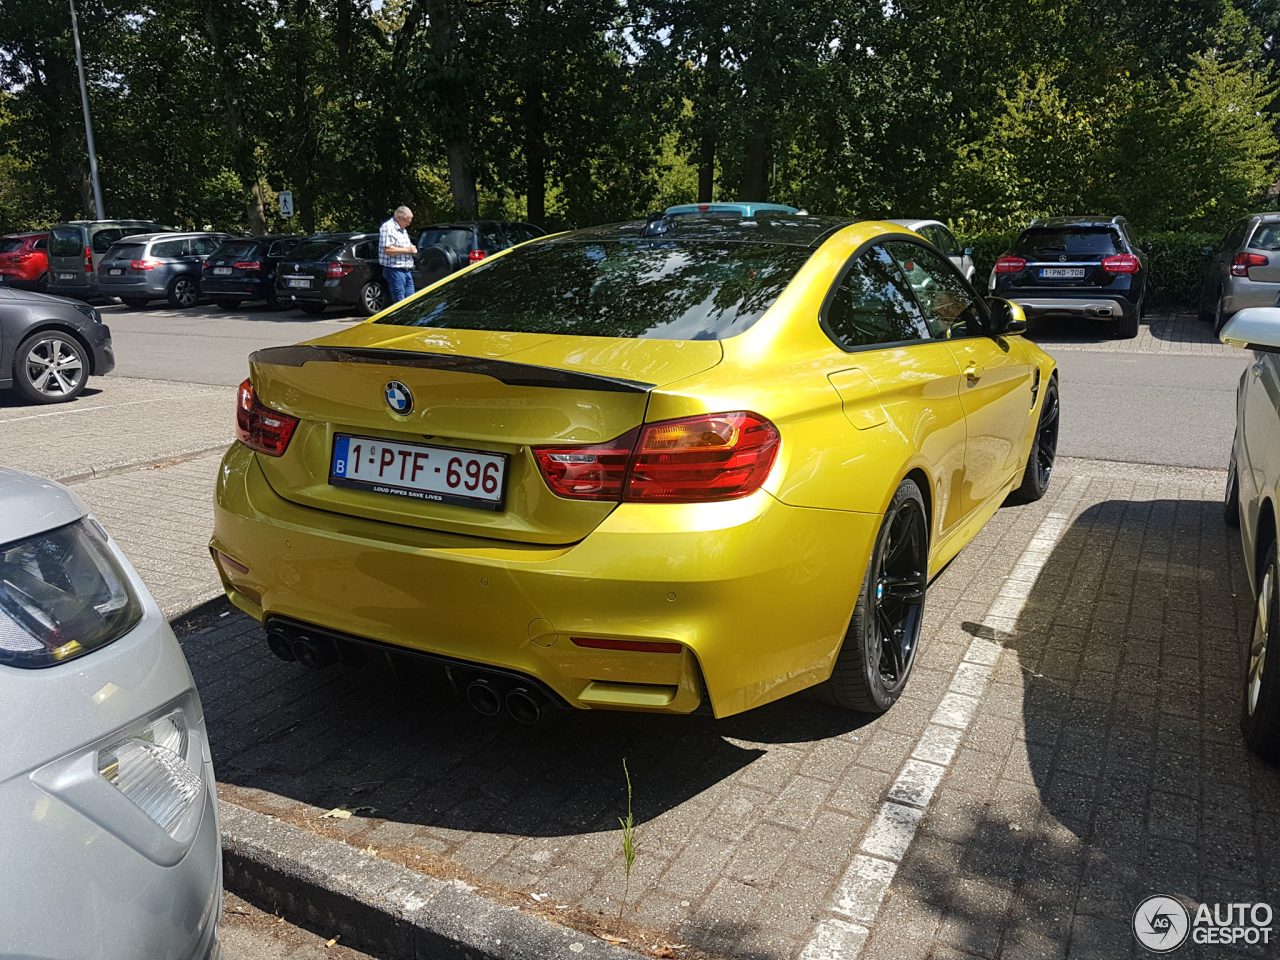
<point>62,594</point>
<point>151,769</point>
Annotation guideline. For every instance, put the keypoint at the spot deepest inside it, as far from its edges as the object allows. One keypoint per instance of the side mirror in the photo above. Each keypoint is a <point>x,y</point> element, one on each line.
<point>1145,246</point>
<point>1007,317</point>
<point>1206,252</point>
<point>1253,328</point>
<point>968,251</point>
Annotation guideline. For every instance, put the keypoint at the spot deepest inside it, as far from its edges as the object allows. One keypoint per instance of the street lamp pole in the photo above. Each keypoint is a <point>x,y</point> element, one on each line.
<point>88,127</point>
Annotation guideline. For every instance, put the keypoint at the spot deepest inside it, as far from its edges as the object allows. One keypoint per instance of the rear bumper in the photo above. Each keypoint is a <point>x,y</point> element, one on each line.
<point>20,277</point>
<point>1094,308</point>
<point>240,289</point>
<point>758,592</point>
<point>149,287</point>
<point>85,290</point>
<point>1240,292</point>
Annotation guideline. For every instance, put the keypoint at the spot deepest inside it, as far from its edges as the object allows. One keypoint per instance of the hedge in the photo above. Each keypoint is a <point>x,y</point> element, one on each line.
<point>1175,263</point>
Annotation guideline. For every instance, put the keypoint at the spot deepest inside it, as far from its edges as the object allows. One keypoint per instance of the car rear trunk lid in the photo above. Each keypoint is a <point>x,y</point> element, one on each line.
<point>491,393</point>
<point>1067,257</point>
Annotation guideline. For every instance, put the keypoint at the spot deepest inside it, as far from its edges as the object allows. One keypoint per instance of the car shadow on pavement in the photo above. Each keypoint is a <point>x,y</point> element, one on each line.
<point>1105,763</point>
<point>10,399</point>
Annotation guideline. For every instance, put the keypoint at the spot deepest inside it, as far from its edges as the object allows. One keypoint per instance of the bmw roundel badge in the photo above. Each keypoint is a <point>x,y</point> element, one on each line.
<point>399,399</point>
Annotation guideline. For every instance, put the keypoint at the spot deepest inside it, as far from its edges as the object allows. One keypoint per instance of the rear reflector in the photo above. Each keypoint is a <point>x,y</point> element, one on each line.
<point>235,565</point>
<point>700,459</point>
<point>337,269</point>
<point>640,646</point>
<point>1243,261</point>
<point>475,256</point>
<point>248,265</point>
<point>1121,263</point>
<point>1008,264</point>
<point>259,427</point>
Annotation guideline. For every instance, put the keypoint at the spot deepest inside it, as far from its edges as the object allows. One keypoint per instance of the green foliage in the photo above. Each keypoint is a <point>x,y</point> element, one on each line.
<point>628,840</point>
<point>1176,267</point>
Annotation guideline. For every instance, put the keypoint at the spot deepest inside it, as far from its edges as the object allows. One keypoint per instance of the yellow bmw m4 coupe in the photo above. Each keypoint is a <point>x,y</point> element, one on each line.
<point>666,466</point>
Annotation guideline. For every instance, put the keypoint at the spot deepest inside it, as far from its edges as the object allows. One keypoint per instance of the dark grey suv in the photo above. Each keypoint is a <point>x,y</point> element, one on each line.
<point>49,347</point>
<point>158,265</point>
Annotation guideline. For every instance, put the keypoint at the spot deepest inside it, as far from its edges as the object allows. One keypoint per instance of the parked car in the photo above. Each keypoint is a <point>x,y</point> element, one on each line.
<point>603,473</point>
<point>49,347</point>
<point>107,792</point>
<point>940,235</point>
<point>1244,271</point>
<point>76,249</point>
<point>152,266</point>
<point>244,268</point>
<point>444,248</point>
<point>337,269</point>
<point>1252,502</point>
<point>24,261</point>
<point>1076,267</point>
<point>744,211</point>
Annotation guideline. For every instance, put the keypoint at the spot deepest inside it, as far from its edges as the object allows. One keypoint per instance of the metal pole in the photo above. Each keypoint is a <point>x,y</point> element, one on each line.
<point>88,127</point>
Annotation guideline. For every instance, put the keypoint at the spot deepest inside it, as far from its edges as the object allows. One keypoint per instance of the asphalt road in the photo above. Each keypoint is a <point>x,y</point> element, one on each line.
<point>1131,401</point>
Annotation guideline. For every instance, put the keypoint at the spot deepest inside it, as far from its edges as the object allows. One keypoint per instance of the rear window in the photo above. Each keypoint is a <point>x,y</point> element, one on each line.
<point>1078,241</point>
<point>648,289</point>
<point>8,246</point>
<point>459,240</point>
<point>127,251</point>
<point>66,242</point>
<point>1266,237</point>
<point>282,248</point>
<point>315,249</point>
<point>237,250</point>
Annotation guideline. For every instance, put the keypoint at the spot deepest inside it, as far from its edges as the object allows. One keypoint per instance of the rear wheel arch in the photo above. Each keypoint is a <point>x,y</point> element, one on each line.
<point>1264,536</point>
<point>922,481</point>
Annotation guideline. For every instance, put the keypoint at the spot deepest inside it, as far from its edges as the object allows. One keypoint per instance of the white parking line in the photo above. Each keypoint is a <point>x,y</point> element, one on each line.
<point>863,887</point>
<point>71,410</point>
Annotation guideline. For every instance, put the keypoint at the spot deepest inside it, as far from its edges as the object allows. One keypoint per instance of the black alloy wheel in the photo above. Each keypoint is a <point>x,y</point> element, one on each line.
<point>1260,708</point>
<point>1044,448</point>
<point>883,637</point>
<point>183,292</point>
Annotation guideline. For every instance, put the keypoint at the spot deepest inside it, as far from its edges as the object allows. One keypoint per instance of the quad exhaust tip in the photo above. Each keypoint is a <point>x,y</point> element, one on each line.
<point>281,645</point>
<point>523,705</point>
<point>484,698</point>
<point>314,654</point>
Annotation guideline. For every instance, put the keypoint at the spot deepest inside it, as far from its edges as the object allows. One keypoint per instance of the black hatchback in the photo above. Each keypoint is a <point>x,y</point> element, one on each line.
<point>1076,267</point>
<point>245,269</point>
<point>444,248</point>
<point>335,269</point>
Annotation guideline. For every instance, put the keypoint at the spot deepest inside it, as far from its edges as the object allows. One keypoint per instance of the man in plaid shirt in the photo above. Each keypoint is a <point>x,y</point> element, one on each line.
<point>395,253</point>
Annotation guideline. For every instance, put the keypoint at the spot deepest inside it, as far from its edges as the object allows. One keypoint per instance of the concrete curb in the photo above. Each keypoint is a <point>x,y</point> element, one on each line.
<point>391,911</point>
<point>127,466</point>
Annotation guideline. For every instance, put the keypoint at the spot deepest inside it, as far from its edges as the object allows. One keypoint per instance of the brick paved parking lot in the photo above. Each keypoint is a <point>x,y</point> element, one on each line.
<point>1066,747</point>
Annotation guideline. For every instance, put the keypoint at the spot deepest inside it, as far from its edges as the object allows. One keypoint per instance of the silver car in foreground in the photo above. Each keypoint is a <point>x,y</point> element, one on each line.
<point>940,235</point>
<point>1253,498</point>
<point>1243,270</point>
<point>109,843</point>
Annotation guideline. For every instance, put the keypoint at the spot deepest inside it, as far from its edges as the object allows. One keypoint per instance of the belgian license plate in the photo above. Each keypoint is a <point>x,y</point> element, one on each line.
<point>66,276</point>
<point>299,282</point>
<point>466,478</point>
<point>222,271</point>
<point>1062,273</point>
<point>116,272</point>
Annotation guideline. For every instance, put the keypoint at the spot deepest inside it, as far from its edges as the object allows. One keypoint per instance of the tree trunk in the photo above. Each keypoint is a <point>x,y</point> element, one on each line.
<point>755,170</point>
<point>462,181</point>
<point>706,167</point>
<point>535,153</point>
<point>254,213</point>
<point>707,109</point>
<point>442,33</point>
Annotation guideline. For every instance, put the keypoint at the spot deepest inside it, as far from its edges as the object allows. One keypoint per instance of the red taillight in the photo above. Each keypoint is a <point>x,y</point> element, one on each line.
<point>252,265</point>
<point>259,427</point>
<point>640,646</point>
<point>1122,263</point>
<point>21,257</point>
<point>1008,264</point>
<point>704,206</point>
<point>143,264</point>
<point>337,269</point>
<point>88,260</point>
<point>475,256</point>
<point>1243,261</point>
<point>700,459</point>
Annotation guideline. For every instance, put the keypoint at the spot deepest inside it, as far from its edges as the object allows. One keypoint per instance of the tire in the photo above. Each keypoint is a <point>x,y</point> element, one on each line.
<point>273,300</point>
<point>1204,313</point>
<point>136,302</point>
<point>311,306</point>
<point>373,298</point>
<point>42,283</point>
<point>1220,316</point>
<point>50,367</point>
<point>1231,502</point>
<point>872,669</point>
<point>183,292</point>
<point>1260,705</point>
<point>1044,448</point>
<point>227,304</point>
<point>1127,326</point>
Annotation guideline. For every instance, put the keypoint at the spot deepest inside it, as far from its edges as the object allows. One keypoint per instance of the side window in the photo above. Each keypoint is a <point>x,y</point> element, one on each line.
<point>364,251</point>
<point>947,242</point>
<point>1235,236</point>
<point>103,239</point>
<point>168,248</point>
<point>951,308</point>
<point>930,233</point>
<point>872,304</point>
<point>203,246</point>
<point>42,243</point>
<point>491,238</point>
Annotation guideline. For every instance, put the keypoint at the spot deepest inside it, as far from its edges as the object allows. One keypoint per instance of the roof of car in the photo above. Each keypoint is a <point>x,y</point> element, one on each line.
<point>90,223</point>
<point>339,237</point>
<point>171,235</point>
<point>798,230</point>
<point>746,208</point>
<point>271,237</point>
<point>30,505</point>
<point>1041,223</point>
<point>25,234</point>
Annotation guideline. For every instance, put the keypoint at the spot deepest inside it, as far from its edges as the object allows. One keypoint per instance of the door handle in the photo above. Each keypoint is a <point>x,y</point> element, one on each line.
<point>974,372</point>
<point>1257,369</point>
